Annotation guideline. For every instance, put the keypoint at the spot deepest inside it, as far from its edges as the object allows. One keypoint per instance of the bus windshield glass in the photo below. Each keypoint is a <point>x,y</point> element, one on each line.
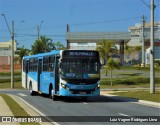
<point>80,68</point>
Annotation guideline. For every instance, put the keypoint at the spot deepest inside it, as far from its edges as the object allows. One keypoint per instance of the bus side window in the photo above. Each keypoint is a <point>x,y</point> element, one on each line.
<point>24,65</point>
<point>35,64</point>
<point>51,63</point>
<point>46,64</point>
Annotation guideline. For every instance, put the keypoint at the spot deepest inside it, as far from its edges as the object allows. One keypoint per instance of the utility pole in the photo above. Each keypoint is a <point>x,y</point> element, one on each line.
<point>38,32</point>
<point>143,40</point>
<point>12,50</point>
<point>12,57</point>
<point>152,70</point>
<point>38,29</point>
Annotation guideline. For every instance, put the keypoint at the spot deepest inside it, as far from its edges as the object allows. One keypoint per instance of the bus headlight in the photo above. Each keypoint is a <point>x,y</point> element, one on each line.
<point>97,87</point>
<point>65,86</point>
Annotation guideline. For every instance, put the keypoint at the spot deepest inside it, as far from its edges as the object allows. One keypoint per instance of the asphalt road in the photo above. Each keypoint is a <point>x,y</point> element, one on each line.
<point>95,106</point>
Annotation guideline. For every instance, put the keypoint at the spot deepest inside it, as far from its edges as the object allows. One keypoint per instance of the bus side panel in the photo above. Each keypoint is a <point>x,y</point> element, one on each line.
<point>23,79</point>
<point>32,78</point>
<point>46,79</point>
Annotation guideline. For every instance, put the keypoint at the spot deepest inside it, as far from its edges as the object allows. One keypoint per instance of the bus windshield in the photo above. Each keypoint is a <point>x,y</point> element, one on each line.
<point>80,68</point>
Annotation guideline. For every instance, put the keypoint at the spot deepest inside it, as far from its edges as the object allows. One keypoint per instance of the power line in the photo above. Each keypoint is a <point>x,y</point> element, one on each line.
<point>107,21</point>
<point>85,23</point>
<point>145,3</point>
<point>80,24</point>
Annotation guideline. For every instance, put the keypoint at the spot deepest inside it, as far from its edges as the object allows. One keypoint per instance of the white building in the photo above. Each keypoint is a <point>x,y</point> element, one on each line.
<point>136,33</point>
<point>5,52</point>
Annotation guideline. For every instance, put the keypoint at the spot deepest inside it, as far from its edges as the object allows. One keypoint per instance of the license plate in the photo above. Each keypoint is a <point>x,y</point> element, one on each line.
<point>82,92</point>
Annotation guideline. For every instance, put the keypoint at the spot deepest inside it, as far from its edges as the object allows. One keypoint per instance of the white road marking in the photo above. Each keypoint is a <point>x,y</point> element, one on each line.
<point>85,103</point>
<point>21,94</point>
<point>123,114</point>
<point>54,123</point>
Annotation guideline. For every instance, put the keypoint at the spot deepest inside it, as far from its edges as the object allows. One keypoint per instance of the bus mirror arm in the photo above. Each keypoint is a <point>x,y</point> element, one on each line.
<point>100,65</point>
<point>59,71</point>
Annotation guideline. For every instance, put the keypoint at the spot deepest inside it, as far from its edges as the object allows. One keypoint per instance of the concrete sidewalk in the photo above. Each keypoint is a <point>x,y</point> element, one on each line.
<point>5,111</point>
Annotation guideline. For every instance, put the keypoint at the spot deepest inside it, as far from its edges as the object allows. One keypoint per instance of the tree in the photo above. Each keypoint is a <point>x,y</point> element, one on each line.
<point>23,52</point>
<point>47,43</point>
<point>38,47</point>
<point>16,59</point>
<point>111,64</point>
<point>106,48</point>
<point>59,46</point>
<point>42,45</point>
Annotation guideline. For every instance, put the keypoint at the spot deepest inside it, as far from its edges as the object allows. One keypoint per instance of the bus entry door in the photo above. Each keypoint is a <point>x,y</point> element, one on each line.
<point>39,72</point>
<point>26,64</point>
<point>56,76</point>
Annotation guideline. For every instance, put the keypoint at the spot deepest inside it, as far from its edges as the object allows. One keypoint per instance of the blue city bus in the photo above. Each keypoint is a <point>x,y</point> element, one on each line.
<point>62,73</point>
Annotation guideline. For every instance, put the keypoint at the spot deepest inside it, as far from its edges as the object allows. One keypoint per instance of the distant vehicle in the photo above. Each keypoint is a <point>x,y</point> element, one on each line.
<point>62,73</point>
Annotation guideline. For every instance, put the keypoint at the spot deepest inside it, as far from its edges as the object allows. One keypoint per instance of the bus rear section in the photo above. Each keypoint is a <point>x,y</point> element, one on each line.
<point>80,73</point>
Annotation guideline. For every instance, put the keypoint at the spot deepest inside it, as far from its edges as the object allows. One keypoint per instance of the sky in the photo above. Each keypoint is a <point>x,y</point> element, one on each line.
<point>82,16</point>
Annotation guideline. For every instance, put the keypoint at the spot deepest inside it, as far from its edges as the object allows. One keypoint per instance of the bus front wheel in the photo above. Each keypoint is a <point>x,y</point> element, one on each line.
<point>51,94</point>
<point>31,92</point>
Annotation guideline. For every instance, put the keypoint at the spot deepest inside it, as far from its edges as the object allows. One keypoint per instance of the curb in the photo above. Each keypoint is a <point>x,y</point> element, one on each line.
<point>126,89</point>
<point>134,100</point>
<point>32,110</point>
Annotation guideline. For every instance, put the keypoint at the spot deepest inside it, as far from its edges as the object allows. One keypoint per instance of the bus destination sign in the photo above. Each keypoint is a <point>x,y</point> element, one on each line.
<point>80,53</point>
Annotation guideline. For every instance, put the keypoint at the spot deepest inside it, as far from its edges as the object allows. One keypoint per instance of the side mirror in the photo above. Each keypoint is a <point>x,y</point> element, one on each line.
<point>100,65</point>
<point>59,71</point>
<point>59,65</point>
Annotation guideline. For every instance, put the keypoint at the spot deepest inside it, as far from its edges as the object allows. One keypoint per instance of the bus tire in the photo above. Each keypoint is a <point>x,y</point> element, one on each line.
<point>84,98</point>
<point>51,94</point>
<point>31,92</point>
<point>53,97</point>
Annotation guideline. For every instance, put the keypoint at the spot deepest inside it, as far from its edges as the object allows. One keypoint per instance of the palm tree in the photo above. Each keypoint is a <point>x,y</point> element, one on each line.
<point>59,46</point>
<point>38,47</point>
<point>47,43</point>
<point>42,45</point>
<point>23,52</point>
<point>111,64</point>
<point>106,48</point>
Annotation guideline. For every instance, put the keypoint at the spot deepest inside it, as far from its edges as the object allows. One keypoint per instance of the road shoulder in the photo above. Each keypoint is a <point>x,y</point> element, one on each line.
<point>127,99</point>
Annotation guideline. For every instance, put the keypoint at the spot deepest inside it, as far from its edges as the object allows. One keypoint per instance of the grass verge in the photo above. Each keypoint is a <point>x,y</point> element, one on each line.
<point>132,80</point>
<point>141,95</point>
<point>16,109</point>
<point>116,86</point>
<point>9,73</point>
<point>6,85</point>
<point>9,79</point>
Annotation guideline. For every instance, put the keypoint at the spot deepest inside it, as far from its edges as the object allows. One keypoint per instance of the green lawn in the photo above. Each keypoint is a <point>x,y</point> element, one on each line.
<point>141,95</point>
<point>6,85</point>
<point>146,85</point>
<point>9,73</point>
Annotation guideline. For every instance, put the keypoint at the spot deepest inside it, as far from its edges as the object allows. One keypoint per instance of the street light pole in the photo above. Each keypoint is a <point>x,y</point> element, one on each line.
<point>38,29</point>
<point>12,50</point>
<point>7,24</point>
<point>12,61</point>
<point>143,40</point>
<point>152,72</point>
